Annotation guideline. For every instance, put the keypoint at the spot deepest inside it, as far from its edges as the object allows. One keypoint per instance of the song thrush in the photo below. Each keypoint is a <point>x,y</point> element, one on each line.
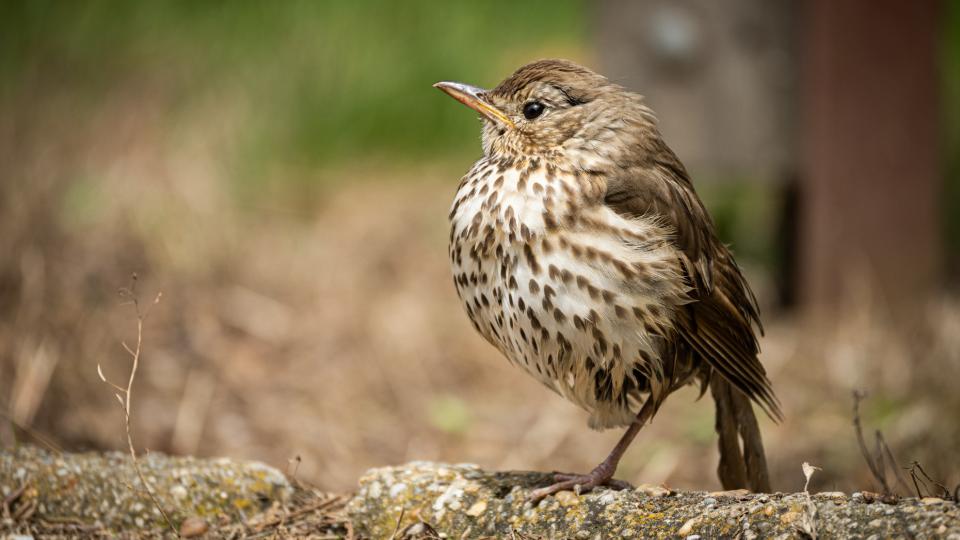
<point>581,251</point>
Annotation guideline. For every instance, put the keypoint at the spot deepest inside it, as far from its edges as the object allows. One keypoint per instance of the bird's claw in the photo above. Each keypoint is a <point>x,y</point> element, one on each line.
<point>579,483</point>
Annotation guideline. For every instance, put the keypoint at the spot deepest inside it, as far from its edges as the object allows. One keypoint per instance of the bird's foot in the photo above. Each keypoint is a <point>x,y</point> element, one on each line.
<point>602,475</point>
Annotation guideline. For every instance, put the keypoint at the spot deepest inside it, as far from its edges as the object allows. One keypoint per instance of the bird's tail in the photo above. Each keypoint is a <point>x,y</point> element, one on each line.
<point>740,467</point>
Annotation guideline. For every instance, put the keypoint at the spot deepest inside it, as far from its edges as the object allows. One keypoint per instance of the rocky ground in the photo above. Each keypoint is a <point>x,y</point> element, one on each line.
<point>50,494</point>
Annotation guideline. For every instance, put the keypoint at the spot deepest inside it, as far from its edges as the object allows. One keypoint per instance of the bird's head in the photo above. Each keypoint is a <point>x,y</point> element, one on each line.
<point>557,109</point>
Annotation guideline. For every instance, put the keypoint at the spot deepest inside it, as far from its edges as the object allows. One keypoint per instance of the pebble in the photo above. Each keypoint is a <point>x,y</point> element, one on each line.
<point>687,528</point>
<point>193,526</point>
<point>397,489</point>
<point>607,498</point>
<point>789,517</point>
<point>477,509</point>
<point>731,493</point>
<point>567,498</point>
<point>653,490</point>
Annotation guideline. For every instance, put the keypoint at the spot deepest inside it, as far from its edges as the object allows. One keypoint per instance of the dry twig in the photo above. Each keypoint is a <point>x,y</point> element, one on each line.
<point>125,394</point>
<point>399,521</point>
<point>314,507</point>
<point>37,437</point>
<point>878,461</point>
<point>925,480</point>
<point>892,461</point>
<point>809,523</point>
<point>293,462</point>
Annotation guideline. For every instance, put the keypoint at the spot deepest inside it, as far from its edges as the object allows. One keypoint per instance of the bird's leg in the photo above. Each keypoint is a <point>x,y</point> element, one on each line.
<point>602,474</point>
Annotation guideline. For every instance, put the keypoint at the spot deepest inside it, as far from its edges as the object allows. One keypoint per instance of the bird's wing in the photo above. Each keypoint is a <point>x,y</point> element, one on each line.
<point>719,324</point>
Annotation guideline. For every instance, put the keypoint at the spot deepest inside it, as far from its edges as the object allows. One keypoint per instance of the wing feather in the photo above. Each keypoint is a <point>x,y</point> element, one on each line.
<point>720,325</point>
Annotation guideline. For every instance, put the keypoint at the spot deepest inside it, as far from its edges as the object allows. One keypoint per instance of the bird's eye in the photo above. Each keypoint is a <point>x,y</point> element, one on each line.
<point>532,110</point>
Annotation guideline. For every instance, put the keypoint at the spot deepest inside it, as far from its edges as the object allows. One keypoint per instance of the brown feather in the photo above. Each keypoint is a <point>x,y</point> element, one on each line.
<point>720,324</point>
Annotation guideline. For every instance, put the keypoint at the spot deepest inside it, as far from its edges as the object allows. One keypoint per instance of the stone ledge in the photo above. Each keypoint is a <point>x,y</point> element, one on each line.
<point>93,495</point>
<point>97,493</point>
<point>463,501</point>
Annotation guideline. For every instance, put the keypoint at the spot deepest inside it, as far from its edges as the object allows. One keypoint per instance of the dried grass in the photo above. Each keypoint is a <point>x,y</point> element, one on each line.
<point>334,334</point>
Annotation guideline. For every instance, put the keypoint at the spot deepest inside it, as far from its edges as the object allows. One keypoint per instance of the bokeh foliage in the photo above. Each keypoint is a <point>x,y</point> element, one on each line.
<point>127,127</point>
<point>325,82</point>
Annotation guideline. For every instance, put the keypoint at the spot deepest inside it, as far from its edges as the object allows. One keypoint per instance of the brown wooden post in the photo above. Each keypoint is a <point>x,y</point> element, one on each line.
<point>869,150</point>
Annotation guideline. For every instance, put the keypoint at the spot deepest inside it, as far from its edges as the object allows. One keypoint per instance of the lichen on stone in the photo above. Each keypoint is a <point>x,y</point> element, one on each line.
<point>96,495</point>
<point>103,490</point>
<point>463,501</point>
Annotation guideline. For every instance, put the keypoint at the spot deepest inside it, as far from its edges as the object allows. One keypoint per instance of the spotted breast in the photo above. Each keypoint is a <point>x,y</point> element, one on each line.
<point>576,294</point>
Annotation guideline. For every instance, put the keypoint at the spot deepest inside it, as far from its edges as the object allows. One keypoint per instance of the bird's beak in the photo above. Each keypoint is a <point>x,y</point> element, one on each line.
<point>473,97</point>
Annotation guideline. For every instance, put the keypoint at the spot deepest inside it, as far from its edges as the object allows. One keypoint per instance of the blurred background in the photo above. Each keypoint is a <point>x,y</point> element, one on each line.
<point>282,172</point>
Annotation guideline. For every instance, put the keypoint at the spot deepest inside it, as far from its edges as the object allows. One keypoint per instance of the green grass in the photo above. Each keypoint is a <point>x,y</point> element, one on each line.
<point>327,82</point>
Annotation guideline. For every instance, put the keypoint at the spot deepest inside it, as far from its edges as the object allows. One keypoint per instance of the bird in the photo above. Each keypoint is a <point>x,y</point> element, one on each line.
<point>582,252</point>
